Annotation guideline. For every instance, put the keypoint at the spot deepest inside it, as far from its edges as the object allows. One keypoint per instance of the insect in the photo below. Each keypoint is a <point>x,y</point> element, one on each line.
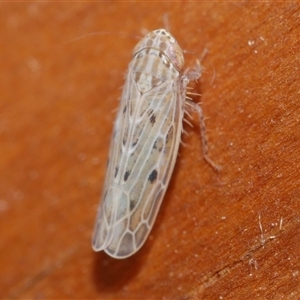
<point>144,144</point>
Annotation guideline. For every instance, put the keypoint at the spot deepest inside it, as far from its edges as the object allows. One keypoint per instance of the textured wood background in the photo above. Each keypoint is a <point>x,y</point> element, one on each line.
<point>232,234</point>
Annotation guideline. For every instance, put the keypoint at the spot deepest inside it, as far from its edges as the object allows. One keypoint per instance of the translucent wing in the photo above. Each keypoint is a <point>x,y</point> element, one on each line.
<point>144,146</point>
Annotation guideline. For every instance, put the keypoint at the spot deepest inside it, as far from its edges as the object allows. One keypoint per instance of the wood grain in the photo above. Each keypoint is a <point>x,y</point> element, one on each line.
<point>232,234</point>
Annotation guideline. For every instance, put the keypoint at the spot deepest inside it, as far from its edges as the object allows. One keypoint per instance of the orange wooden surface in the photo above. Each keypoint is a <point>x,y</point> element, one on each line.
<point>233,234</point>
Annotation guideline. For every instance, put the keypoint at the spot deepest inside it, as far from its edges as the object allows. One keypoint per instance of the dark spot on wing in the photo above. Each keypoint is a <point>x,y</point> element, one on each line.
<point>153,176</point>
<point>153,119</point>
<point>124,110</point>
<point>134,143</point>
<point>132,204</point>
<point>169,134</point>
<point>127,173</point>
<point>116,171</point>
<point>150,112</point>
<point>157,146</point>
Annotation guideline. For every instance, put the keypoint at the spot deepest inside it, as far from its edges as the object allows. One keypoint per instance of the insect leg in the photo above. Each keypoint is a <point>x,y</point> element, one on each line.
<point>197,108</point>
